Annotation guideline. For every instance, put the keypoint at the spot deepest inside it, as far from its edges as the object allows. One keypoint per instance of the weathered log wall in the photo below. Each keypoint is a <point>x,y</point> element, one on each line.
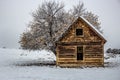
<point>92,47</point>
<point>92,55</point>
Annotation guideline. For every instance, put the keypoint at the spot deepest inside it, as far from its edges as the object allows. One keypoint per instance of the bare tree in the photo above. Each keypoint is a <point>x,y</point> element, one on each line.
<point>93,19</point>
<point>49,22</point>
<point>79,10</point>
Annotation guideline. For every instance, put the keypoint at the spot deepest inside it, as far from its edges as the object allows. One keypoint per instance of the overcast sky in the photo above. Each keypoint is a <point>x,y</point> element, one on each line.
<point>16,14</point>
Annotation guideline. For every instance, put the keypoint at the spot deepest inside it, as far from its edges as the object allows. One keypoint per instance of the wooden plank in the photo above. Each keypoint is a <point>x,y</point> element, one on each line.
<point>93,63</point>
<point>76,62</point>
<point>67,65</point>
<point>67,52</point>
<point>67,59</point>
<point>66,56</point>
<point>79,43</point>
<point>93,56</point>
<point>93,59</point>
<point>93,52</point>
<point>96,54</point>
<point>67,62</point>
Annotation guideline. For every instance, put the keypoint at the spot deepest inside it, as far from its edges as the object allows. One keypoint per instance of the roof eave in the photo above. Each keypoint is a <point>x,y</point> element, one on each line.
<point>93,28</point>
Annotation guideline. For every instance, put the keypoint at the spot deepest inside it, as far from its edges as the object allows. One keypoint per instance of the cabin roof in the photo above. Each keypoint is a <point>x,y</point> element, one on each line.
<point>89,24</point>
<point>97,31</point>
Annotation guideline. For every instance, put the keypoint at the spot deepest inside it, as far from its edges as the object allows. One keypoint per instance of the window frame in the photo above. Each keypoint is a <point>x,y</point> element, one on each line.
<point>79,35</point>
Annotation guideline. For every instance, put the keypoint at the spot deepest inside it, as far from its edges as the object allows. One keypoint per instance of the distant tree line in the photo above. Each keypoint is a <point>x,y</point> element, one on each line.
<point>114,51</point>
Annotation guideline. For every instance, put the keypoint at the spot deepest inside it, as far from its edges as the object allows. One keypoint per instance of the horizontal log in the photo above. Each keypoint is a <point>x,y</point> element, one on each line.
<point>67,52</point>
<point>60,46</point>
<point>94,53</point>
<point>70,63</point>
<point>79,43</point>
<point>66,56</point>
<point>93,63</point>
<point>93,59</point>
<point>67,59</point>
<point>80,64</point>
<point>93,56</point>
<point>93,50</point>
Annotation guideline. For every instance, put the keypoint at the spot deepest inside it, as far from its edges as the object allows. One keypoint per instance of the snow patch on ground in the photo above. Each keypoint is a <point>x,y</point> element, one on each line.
<point>9,71</point>
<point>17,56</point>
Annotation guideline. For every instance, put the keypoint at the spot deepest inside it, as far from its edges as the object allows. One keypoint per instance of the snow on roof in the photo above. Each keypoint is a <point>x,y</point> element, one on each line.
<point>93,27</point>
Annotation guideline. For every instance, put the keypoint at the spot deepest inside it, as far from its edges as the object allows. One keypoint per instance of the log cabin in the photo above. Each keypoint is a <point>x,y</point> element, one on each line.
<point>80,45</point>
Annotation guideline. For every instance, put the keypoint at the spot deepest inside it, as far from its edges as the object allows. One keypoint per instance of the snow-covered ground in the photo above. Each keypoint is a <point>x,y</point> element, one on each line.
<point>11,67</point>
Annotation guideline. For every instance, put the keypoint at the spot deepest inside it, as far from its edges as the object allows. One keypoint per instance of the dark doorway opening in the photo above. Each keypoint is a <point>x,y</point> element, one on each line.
<point>80,53</point>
